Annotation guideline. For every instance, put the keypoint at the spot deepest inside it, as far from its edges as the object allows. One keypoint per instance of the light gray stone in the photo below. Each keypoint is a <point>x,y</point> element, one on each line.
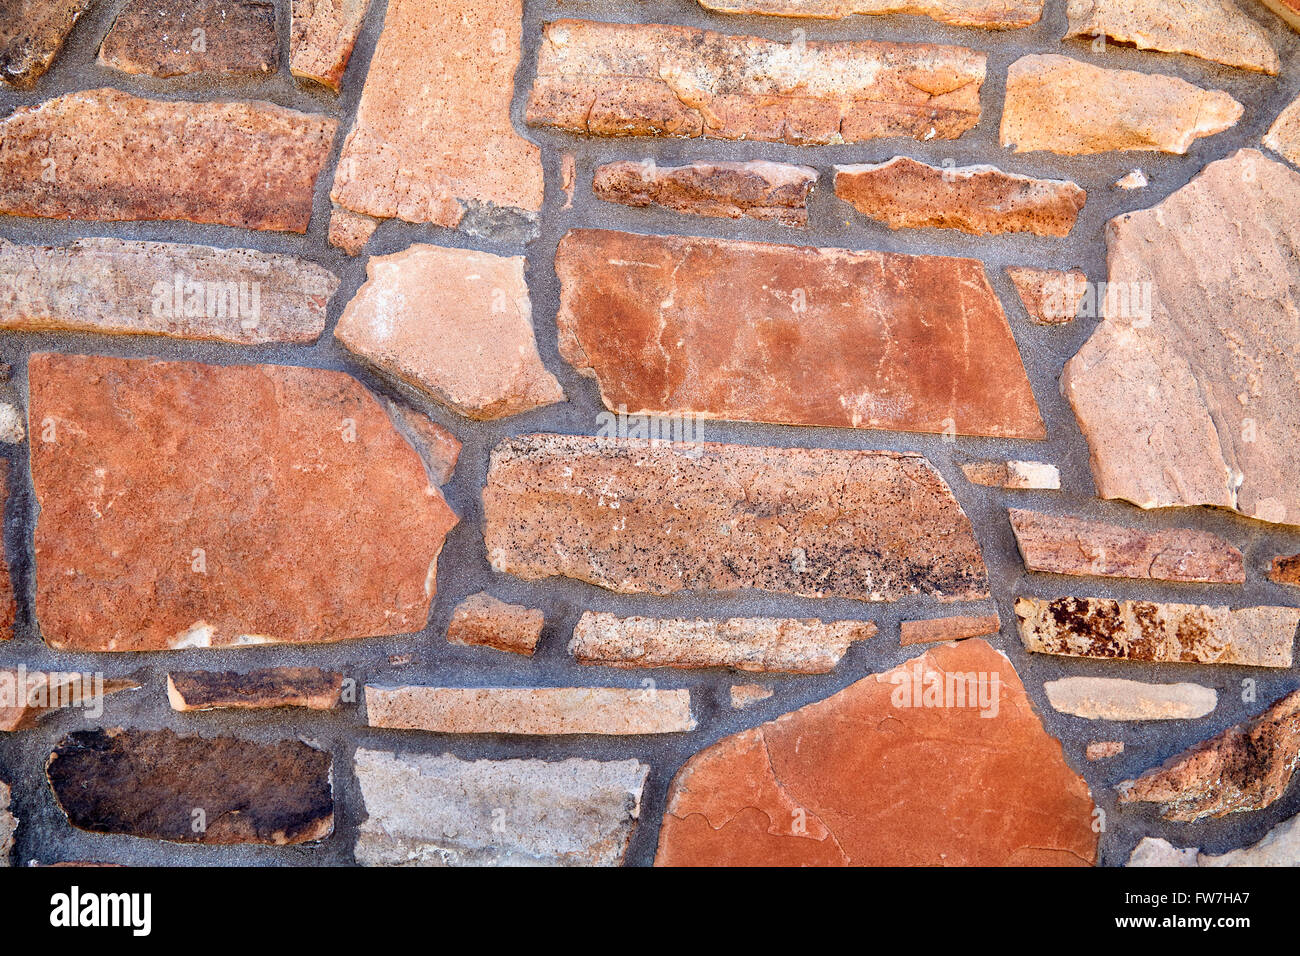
<point>1108,698</point>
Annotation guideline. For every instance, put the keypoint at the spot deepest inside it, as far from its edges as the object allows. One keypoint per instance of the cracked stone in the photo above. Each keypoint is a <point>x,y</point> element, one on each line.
<point>956,628</point>
<point>26,696</point>
<point>309,687</point>
<point>772,192</point>
<point>438,447</point>
<point>164,38</point>
<point>322,34</point>
<point>988,14</point>
<point>1106,698</point>
<point>747,695</point>
<point>32,34</point>
<point>1050,296</point>
<point>1279,847</point>
<point>1283,137</point>
<point>1013,475</point>
<point>481,620</point>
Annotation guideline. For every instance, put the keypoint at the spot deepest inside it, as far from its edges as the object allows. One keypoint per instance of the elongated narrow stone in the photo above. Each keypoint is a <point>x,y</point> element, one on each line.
<point>640,518</point>
<point>1060,544</point>
<point>8,825</point>
<point>309,687</point>
<point>32,34</point>
<point>1285,569</point>
<point>484,621</point>
<point>1108,698</point>
<point>956,628</point>
<point>322,34</point>
<point>1279,847</point>
<point>106,155</point>
<point>26,696</point>
<point>773,192</point>
<point>613,79</point>
<point>1016,475</point>
<point>1283,137</point>
<point>163,38</point>
<point>8,602</point>
<point>988,14</point>
<point>639,314</point>
<point>1168,633</point>
<point>1050,296</point>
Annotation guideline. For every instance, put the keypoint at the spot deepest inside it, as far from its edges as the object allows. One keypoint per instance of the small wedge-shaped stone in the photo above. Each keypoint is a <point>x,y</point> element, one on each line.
<point>106,155</point>
<point>1247,767</point>
<point>322,34</point>
<point>640,315</point>
<point>155,783</point>
<point>1283,137</point>
<point>424,810</point>
<point>980,200</point>
<point>484,621</point>
<point>1061,544</point>
<point>530,710</point>
<point>126,287</point>
<point>1166,633</point>
<point>761,644</point>
<point>1279,847</point>
<point>636,517</point>
<point>957,628</point>
<point>614,79</point>
<point>163,38</point>
<point>773,192</point>
<point>308,687</point>
<point>26,696</point>
<point>1067,106</point>
<point>1285,569</point>
<point>32,34</point>
<point>455,324</point>
<point>1015,475</point>
<point>1108,698</point>
<point>989,14</point>
<point>1050,296</point>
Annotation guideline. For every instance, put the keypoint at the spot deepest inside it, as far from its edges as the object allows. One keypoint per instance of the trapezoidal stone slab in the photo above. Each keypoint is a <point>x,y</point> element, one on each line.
<point>810,336</point>
<point>771,192</point>
<point>1050,296</point>
<point>215,38</point>
<point>987,14</point>
<point>32,34</point>
<point>309,687</point>
<point>322,34</point>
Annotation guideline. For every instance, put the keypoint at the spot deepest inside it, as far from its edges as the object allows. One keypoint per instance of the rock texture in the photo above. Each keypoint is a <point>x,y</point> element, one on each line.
<point>1285,570</point>
<point>32,34</point>
<point>1107,698</point>
<point>309,687</point>
<point>747,695</point>
<point>1169,633</point>
<point>350,231</point>
<point>440,811</point>
<point>1283,137</point>
<point>1013,475</point>
<point>321,36</point>
<point>8,826</point>
<point>611,79</point>
<point>1050,296</point>
<point>163,38</point>
<point>484,621</point>
<point>8,602</point>
<point>639,518</point>
<point>186,505</point>
<point>773,192</point>
<point>639,314</point>
<point>438,447</point>
<point>988,14</point>
<point>857,779</point>
<point>957,628</point>
<point>980,200</point>
<point>1193,401</point>
<point>26,696</point>
<point>1279,847</point>
<point>1288,10</point>
<point>1071,107</point>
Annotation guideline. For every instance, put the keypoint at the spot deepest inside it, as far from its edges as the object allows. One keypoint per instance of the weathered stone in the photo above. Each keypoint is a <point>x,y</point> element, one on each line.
<point>218,790</point>
<point>747,695</point>
<point>774,192</point>
<point>350,231</point>
<point>321,36</point>
<point>187,505</point>
<point>1283,137</point>
<point>163,38</point>
<point>1051,297</point>
<point>1169,633</point>
<point>1183,399</point>
<point>309,687</point>
<point>1071,107</point>
<point>530,710</point>
<point>26,696</point>
<point>1288,10</point>
<point>989,14</point>
<point>875,776</point>
<point>125,287</point>
<point>1210,29</point>
<point>107,155</point>
<point>1285,570</point>
<point>455,324</point>
<point>1133,179</point>
<point>8,602</point>
<point>639,314</point>
<point>980,200</point>
<point>1108,698</point>
<point>1060,544</point>
<point>433,128</point>
<point>1279,847</point>
<point>956,628</point>
<point>32,34</point>
<point>12,430</point>
<point>441,811</point>
<point>636,517</point>
<point>613,79</point>
<point>8,826</point>
<point>1016,475</point>
<point>568,178</point>
<point>438,447</point>
<point>1104,749</point>
<point>1247,767</point>
<point>484,621</point>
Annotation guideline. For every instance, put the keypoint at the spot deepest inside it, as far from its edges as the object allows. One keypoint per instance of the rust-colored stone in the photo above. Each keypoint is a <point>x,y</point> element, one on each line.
<point>773,192</point>
<point>32,34</point>
<point>309,687</point>
<point>1050,296</point>
<point>350,231</point>
<point>1285,570</point>
<point>163,38</point>
<point>439,448</point>
<point>484,621</point>
<point>322,34</point>
<point>957,628</point>
<point>26,696</point>
<point>987,14</point>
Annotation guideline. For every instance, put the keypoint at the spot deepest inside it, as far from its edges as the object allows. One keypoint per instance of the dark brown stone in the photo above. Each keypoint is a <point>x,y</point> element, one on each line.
<point>163,38</point>
<point>32,34</point>
<point>309,687</point>
<point>1285,570</point>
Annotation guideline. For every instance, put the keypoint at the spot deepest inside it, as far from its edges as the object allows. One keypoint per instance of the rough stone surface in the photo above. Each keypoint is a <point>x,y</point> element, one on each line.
<point>957,628</point>
<point>1283,137</point>
<point>1108,698</point>
<point>439,448</point>
<point>188,505</point>
<point>309,687</point>
<point>1050,296</point>
<point>772,192</point>
<point>350,231</point>
<point>1103,749</point>
<point>441,811</point>
<point>8,602</point>
<point>1013,475</point>
<point>857,779</point>
<point>163,38</point>
<point>1071,107</point>
<point>8,826</point>
<point>747,695</point>
<point>1133,179</point>
<point>1279,847</point>
<point>636,518</point>
<point>989,14</point>
<point>26,696</point>
<point>1285,570</point>
<point>639,314</point>
<point>321,36</point>
<point>484,621</point>
<point>610,79</point>
<point>12,429</point>
<point>106,155</point>
<point>32,34</point>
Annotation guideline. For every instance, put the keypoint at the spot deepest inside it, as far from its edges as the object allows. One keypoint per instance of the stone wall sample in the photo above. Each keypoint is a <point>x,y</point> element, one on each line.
<point>773,192</point>
<point>187,505</point>
<point>956,628</point>
<point>484,621</point>
<point>456,325</point>
<point>863,779</point>
<point>106,155</point>
<point>980,200</point>
<point>1285,570</point>
<point>1013,475</point>
<point>8,601</point>
<point>1050,296</point>
<point>1108,698</point>
<point>433,132</point>
<point>810,336</point>
<point>441,811</point>
<point>26,696</point>
<point>1067,106</point>
<point>163,38</point>
<point>1283,137</point>
<point>611,79</point>
<point>321,36</point>
<point>309,687</point>
<point>1168,633</point>
<point>639,518</point>
<point>1279,847</point>
<point>32,34</point>
<point>150,783</point>
<point>1183,400</point>
<point>988,14</point>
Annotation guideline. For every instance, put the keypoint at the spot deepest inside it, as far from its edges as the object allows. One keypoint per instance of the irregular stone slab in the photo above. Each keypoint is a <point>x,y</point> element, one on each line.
<point>433,132</point>
<point>214,790</point>
<point>1061,544</point>
<point>875,776</point>
<point>956,628</point>
<point>1015,475</point>
<point>1247,767</point>
<point>186,505</point>
<point>109,156</point>
<point>988,14</point>
<point>1288,10</point>
<point>613,79</point>
<point>163,38</point>
<point>483,621</point>
<point>1285,570</point>
<point>32,34</point>
<point>530,710</point>
<point>1168,633</point>
<point>1210,29</point>
<point>1283,137</point>
<point>640,518</point>
<point>1279,847</point>
<point>1126,109</point>
<point>747,695</point>
<point>1051,297</point>
<point>639,314</point>
<point>309,687</point>
<point>1183,400</point>
<point>322,34</point>
<point>438,447</point>
<point>456,325</point>
<point>1133,179</point>
<point>8,826</point>
<point>126,287</point>
<point>1107,698</point>
<point>426,810</point>
<point>350,231</point>
<point>1104,749</point>
<point>8,602</point>
<point>761,644</point>
<point>773,192</point>
<point>980,200</point>
<point>26,696</point>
